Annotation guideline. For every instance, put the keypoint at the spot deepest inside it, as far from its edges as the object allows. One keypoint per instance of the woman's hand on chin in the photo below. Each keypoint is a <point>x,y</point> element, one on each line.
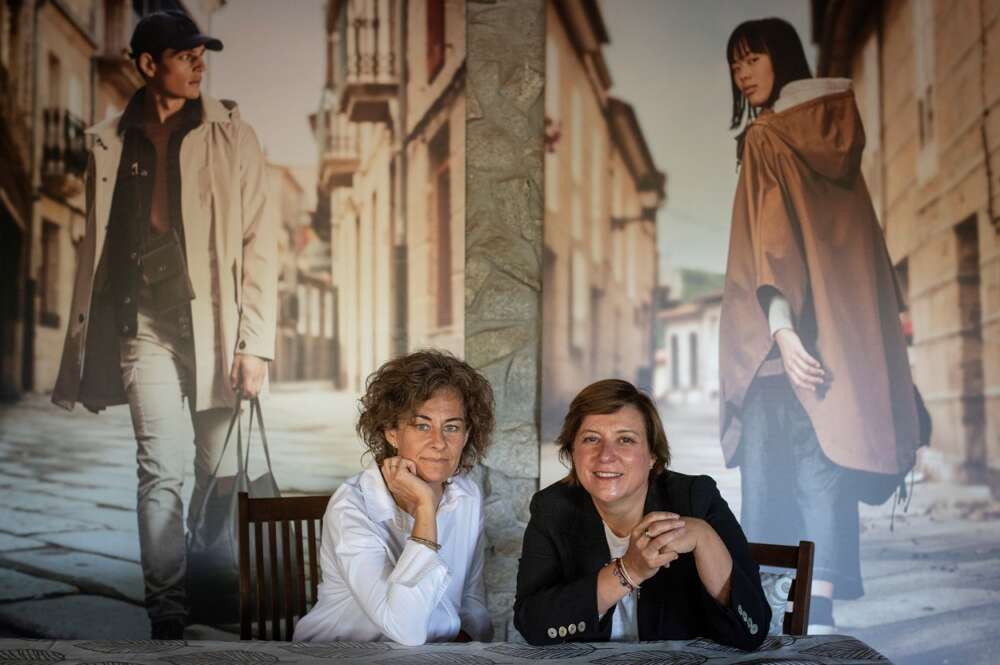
<point>411,492</point>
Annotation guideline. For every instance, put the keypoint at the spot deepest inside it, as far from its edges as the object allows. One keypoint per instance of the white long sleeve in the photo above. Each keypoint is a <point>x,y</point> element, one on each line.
<point>779,313</point>
<point>399,596</point>
<point>379,585</point>
<point>474,613</point>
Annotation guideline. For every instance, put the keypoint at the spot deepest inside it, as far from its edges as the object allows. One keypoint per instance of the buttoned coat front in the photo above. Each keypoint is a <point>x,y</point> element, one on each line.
<point>565,548</point>
<point>231,250</point>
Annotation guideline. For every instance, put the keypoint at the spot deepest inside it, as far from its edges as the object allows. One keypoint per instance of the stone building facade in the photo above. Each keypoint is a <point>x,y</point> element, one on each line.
<point>602,190</point>
<point>392,152</point>
<point>927,78</point>
<point>305,343</point>
<point>687,352</point>
<point>65,66</point>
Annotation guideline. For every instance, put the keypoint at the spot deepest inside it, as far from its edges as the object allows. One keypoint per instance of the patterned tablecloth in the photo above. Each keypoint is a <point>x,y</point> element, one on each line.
<point>784,650</point>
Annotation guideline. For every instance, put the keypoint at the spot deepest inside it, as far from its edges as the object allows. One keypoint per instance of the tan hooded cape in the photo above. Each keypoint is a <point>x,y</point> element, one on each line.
<point>803,223</point>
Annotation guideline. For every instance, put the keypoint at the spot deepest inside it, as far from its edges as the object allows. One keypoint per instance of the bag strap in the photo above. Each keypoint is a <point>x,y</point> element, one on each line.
<point>242,461</point>
<point>255,408</point>
<point>233,421</point>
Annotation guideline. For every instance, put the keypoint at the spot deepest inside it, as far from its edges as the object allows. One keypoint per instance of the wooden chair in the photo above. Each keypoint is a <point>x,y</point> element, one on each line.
<point>800,559</point>
<point>276,583</point>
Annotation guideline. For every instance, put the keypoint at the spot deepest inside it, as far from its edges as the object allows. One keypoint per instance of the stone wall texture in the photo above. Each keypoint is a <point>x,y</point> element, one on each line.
<point>503,316</point>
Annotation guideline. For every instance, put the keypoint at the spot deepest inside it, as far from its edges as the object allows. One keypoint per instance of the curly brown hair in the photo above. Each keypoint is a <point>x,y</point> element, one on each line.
<point>396,389</point>
<point>605,397</point>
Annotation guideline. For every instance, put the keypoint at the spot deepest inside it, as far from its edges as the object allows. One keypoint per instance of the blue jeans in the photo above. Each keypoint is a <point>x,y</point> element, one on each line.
<point>791,491</point>
<point>158,374</point>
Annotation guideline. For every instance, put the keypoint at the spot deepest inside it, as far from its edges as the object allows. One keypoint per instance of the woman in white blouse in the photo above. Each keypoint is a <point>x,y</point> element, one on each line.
<point>402,551</point>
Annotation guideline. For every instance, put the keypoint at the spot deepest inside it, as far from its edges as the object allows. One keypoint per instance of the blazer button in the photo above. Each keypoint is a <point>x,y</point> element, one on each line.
<point>571,628</point>
<point>562,631</point>
<point>582,626</point>
<point>243,344</point>
<point>753,629</point>
<point>552,633</point>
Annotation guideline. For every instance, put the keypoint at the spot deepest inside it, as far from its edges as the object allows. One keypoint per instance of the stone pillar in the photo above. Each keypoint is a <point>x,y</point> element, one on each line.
<point>503,266</point>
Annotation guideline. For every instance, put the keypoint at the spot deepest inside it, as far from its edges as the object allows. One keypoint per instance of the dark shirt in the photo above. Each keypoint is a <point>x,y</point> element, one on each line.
<point>565,548</point>
<point>133,202</point>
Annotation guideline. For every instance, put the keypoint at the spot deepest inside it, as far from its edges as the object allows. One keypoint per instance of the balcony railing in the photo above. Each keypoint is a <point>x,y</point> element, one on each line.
<point>64,153</point>
<point>367,63</point>
<point>339,155</point>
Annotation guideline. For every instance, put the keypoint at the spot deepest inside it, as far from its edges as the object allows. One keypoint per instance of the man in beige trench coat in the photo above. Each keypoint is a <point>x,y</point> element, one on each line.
<point>176,188</point>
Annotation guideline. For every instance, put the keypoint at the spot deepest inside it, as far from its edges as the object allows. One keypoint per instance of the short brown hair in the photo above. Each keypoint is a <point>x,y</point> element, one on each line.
<point>396,389</point>
<point>606,397</point>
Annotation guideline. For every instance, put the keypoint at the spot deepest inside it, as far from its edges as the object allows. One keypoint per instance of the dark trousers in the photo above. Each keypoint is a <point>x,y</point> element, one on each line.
<point>791,491</point>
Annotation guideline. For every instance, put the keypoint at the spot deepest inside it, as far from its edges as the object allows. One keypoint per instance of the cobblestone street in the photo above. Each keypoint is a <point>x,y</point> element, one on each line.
<point>69,556</point>
<point>69,549</point>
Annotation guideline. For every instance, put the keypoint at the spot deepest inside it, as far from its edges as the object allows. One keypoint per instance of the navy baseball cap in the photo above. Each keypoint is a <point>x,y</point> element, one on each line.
<point>158,31</point>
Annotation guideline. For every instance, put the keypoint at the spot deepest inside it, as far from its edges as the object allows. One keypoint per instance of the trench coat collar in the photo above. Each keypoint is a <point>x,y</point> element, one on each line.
<point>212,110</point>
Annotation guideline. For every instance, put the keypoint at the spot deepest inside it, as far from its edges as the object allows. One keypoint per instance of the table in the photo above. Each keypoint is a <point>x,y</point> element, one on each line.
<point>784,650</point>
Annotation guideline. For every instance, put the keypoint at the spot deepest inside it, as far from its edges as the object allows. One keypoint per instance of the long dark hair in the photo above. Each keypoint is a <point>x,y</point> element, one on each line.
<point>778,39</point>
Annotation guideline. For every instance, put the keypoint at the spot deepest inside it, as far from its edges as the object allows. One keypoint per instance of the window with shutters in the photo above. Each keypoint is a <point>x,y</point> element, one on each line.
<point>440,203</point>
<point>49,275</point>
<point>435,38</point>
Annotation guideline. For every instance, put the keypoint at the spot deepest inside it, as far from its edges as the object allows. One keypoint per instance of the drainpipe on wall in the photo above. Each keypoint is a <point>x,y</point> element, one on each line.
<point>35,57</point>
<point>984,120</point>
<point>28,367</point>
<point>399,236</point>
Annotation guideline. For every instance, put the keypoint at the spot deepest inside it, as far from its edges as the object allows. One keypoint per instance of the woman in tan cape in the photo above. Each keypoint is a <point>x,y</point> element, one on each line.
<point>817,402</point>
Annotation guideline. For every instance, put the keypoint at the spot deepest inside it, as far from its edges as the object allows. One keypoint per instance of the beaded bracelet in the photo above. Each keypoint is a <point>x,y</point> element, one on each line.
<point>628,578</point>
<point>622,575</point>
<point>429,543</point>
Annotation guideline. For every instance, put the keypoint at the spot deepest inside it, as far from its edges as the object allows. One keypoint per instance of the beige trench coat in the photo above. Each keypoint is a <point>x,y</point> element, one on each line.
<point>231,247</point>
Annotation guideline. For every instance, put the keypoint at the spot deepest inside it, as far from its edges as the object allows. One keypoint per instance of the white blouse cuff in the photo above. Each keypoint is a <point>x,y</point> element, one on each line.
<point>420,566</point>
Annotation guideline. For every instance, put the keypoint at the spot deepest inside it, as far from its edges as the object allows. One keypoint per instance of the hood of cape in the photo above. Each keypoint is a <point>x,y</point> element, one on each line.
<point>818,120</point>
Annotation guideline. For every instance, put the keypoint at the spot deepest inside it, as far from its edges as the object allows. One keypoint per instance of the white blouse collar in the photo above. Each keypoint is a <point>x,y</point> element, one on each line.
<point>382,507</point>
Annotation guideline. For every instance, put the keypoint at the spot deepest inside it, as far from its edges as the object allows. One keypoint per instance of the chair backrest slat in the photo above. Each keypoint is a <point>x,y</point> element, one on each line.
<point>258,530</point>
<point>300,565</point>
<point>289,583</point>
<point>313,562</point>
<point>276,573</point>
<point>800,559</point>
<point>275,595</point>
<point>244,537</point>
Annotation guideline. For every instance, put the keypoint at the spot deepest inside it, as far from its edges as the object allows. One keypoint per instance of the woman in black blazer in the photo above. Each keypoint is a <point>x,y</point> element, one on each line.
<point>623,549</point>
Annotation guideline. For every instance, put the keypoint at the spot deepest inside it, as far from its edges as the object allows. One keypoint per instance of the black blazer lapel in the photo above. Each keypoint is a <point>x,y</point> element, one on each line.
<point>593,550</point>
